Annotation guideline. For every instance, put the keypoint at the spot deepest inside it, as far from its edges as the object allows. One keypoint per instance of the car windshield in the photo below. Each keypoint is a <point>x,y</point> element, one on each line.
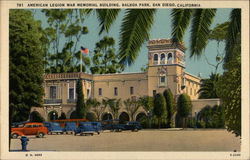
<point>56,124</point>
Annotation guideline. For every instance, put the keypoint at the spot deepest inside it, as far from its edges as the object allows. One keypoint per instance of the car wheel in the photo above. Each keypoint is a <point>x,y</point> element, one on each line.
<point>40,135</point>
<point>14,135</point>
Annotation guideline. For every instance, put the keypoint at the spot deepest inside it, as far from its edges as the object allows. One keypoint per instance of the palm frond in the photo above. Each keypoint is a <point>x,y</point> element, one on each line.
<point>134,31</point>
<point>106,18</point>
<point>201,22</point>
<point>180,21</point>
<point>234,31</point>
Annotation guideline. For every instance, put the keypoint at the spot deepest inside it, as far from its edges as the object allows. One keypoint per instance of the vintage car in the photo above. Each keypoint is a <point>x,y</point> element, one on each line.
<point>88,128</point>
<point>133,126</point>
<point>114,125</point>
<point>30,128</point>
<point>53,127</point>
<point>70,127</point>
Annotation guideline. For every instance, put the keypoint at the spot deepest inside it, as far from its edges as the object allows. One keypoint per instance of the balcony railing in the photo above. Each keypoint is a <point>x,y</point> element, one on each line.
<point>71,101</point>
<point>52,101</point>
<point>162,85</point>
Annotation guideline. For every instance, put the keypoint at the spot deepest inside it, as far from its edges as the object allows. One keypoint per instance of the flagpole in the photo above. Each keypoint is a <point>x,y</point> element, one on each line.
<point>81,62</point>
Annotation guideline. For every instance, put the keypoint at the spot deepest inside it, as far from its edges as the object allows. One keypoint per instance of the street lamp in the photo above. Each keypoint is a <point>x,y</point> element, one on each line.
<point>149,118</point>
<point>108,115</point>
<point>54,116</point>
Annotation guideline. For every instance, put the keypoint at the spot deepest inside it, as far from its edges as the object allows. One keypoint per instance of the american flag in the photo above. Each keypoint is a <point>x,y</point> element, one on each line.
<point>84,50</point>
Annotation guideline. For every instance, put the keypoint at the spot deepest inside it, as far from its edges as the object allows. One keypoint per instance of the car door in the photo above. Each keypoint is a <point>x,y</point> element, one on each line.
<point>29,129</point>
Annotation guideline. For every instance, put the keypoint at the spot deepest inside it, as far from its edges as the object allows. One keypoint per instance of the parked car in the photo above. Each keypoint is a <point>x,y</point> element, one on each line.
<point>54,127</point>
<point>97,126</point>
<point>88,128</point>
<point>118,127</point>
<point>30,128</point>
<point>111,125</point>
<point>70,127</point>
<point>133,126</point>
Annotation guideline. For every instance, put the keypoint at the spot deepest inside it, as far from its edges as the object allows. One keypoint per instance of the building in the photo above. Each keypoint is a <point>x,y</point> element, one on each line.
<point>166,69</point>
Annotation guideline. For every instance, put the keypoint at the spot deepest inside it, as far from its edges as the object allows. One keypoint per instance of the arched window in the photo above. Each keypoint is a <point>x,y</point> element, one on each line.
<point>53,115</point>
<point>170,58</point>
<point>123,118</point>
<point>162,58</point>
<point>156,59</point>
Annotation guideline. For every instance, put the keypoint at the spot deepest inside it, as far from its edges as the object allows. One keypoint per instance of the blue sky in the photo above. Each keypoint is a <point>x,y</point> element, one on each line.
<point>160,29</point>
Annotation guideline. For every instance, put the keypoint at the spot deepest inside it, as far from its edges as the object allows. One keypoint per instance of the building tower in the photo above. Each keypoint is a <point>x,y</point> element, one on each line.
<point>166,66</point>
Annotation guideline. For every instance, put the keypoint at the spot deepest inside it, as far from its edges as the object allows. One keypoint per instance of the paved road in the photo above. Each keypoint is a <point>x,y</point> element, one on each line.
<point>145,140</point>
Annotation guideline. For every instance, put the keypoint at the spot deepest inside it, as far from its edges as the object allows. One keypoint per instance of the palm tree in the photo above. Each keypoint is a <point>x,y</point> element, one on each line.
<point>208,87</point>
<point>147,103</point>
<point>137,23</point>
<point>114,106</point>
<point>96,106</point>
<point>132,107</point>
<point>135,28</point>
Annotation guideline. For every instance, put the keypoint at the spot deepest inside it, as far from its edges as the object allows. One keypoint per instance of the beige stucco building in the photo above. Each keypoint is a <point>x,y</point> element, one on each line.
<point>166,69</point>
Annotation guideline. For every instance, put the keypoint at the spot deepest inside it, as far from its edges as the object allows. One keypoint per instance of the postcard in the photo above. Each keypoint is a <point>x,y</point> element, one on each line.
<point>124,79</point>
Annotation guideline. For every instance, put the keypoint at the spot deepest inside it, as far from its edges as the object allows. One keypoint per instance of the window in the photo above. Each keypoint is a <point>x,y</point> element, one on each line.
<point>154,92</point>
<point>28,126</point>
<point>170,58</point>
<point>71,93</point>
<point>99,91</point>
<point>162,58</point>
<point>131,90</point>
<point>115,91</point>
<point>162,79</point>
<point>156,59</point>
<point>88,93</point>
<point>52,92</point>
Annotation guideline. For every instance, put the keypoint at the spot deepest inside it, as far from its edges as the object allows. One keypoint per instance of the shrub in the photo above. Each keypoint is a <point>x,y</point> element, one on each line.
<point>201,124</point>
<point>191,122</point>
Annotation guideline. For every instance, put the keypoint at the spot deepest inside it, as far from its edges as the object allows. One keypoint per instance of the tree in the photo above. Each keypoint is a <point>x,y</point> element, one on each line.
<point>170,106</point>
<point>208,87</point>
<point>97,107</point>
<point>219,34</point>
<point>229,90</point>
<point>213,117</point>
<point>132,107</point>
<point>229,86</point>
<point>134,30</point>
<point>160,110</point>
<point>184,107</point>
<point>36,117</point>
<point>80,105</point>
<point>137,23</point>
<point>26,64</point>
<point>105,59</point>
<point>114,106</point>
<point>147,103</point>
<point>65,31</point>
<point>206,115</point>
